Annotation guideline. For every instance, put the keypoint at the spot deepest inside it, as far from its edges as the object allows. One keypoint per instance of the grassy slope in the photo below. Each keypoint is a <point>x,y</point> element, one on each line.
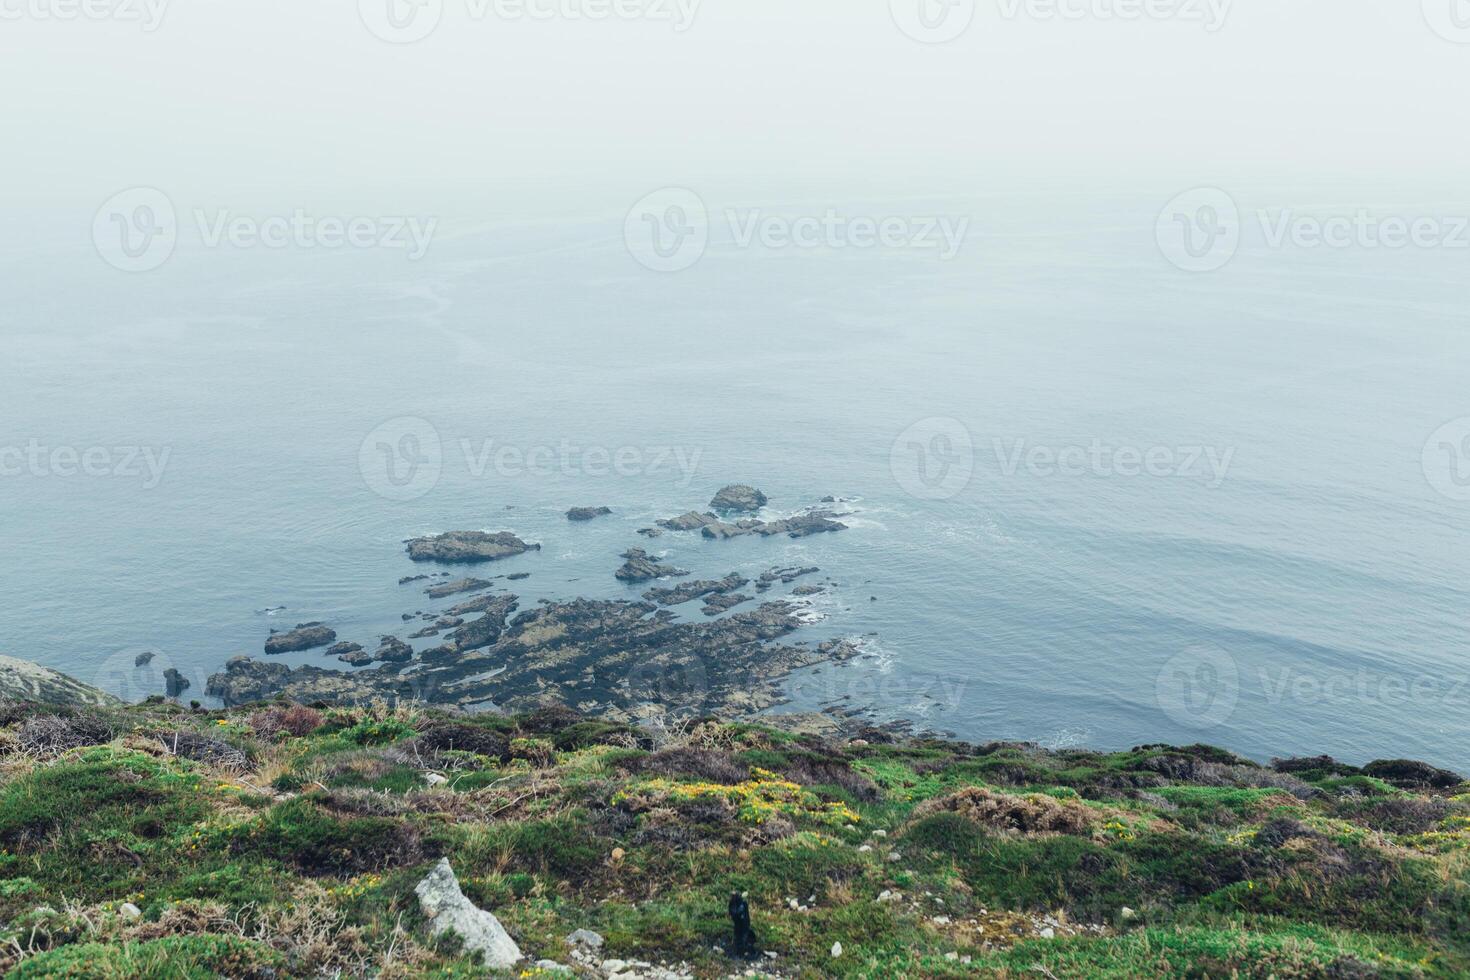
<point>301,854</point>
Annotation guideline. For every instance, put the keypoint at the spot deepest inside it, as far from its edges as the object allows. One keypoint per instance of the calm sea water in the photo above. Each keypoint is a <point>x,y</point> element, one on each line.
<point>1312,597</point>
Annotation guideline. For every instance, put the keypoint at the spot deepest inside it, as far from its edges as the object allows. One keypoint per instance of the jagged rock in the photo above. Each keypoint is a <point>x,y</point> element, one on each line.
<point>689,591</point>
<point>342,650</point>
<point>447,909</point>
<point>716,604</point>
<point>783,575</point>
<point>803,525</point>
<point>639,567</point>
<point>650,532</point>
<point>393,651</point>
<point>587,513</point>
<point>738,496</point>
<point>468,546</point>
<point>691,521</point>
<point>303,637</point>
<point>456,587</point>
<point>143,659</point>
<point>487,629</point>
<point>174,683</point>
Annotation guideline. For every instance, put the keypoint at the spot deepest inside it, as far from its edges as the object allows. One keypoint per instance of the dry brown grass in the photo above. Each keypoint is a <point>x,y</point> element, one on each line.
<point>1029,815</point>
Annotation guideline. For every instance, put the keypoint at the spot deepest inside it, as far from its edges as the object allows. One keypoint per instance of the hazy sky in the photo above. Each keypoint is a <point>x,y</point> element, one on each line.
<point>298,101</point>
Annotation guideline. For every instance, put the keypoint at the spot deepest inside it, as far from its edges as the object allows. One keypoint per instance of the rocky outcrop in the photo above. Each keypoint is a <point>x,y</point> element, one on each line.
<point>460,547</point>
<point>716,604</point>
<point>691,521</point>
<point>21,680</point>
<point>783,575</point>
<point>174,683</point>
<point>392,650</point>
<point>304,637</point>
<point>738,497</point>
<point>447,909</point>
<point>623,660</point>
<point>800,526</point>
<point>456,587</point>
<point>487,629</point>
<point>587,513</point>
<point>343,649</point>
<point>639,567</point>
<point>689,591</point>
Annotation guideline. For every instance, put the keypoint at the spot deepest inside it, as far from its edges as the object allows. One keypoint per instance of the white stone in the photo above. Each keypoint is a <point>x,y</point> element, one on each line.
<point>865,849</point>
<point>434,779</point>
<point>836,950</point>
<point>447,909</point>
<point>584,937</point>
<point>129,911</point>
<point>952,957</point>
<point>1048,933</point>
<point>614,966</point>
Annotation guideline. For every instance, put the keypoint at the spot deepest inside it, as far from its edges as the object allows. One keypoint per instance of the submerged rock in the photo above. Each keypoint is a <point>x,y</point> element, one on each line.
<point>303,637</point>
<point>740,497</point>
<point>447,909</point>
<point>587,513</point>
<point>468,546</point>
<point>456,587</point>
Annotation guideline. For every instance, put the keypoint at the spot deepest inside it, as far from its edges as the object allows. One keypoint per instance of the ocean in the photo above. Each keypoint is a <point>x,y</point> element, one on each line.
<point>1095,499</point>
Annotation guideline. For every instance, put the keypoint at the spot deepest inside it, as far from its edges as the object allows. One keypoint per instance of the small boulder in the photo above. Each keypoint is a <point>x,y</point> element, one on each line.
<point>585,937</point>
<point>587,513</point>
<point>448,910</point>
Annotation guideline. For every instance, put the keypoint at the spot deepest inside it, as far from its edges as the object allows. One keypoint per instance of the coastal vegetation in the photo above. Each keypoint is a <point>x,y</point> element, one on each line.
<point>281,839</point>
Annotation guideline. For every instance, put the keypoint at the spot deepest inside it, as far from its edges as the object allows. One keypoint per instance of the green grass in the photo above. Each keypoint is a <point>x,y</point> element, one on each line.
<point>315,853</point>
